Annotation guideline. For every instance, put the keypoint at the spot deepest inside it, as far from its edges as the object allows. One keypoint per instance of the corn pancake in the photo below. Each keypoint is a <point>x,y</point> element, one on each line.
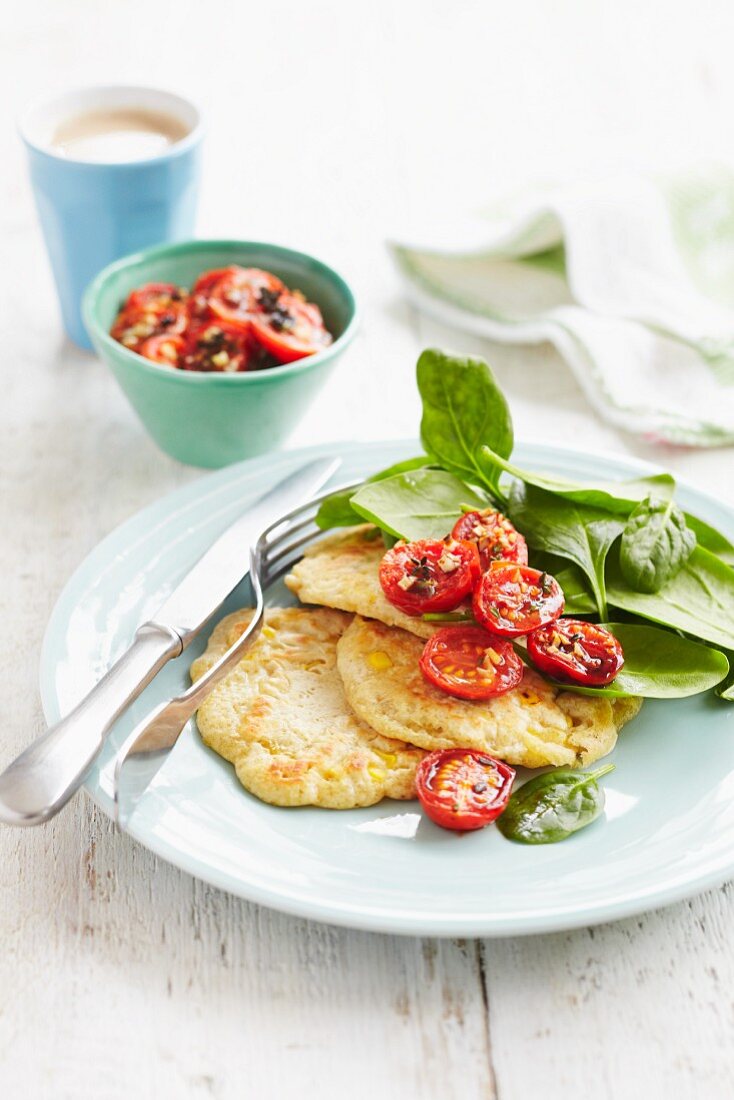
<point>532,725</point>
<point>343,570</point>
<point>282,719</point>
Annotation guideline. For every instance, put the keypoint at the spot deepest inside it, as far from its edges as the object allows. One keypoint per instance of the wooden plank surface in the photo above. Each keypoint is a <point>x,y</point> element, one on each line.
<point>331,126</point>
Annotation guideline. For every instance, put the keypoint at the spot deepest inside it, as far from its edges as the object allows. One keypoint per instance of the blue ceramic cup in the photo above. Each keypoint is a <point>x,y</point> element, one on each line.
<point>93,212</point>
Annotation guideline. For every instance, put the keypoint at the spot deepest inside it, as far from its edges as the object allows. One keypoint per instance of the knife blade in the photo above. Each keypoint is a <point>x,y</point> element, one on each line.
<point>43,778</point>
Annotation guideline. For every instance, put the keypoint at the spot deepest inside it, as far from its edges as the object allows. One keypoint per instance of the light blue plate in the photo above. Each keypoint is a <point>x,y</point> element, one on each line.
<point>668,831</point>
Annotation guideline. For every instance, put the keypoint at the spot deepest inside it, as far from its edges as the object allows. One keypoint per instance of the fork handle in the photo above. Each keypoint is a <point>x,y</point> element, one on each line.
<point>45,776</point>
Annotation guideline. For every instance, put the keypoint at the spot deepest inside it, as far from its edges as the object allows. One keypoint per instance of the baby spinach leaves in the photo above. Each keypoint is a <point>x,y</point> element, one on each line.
<point>656,542</point>
<point>569,529</point>
<point>463,408</point>
<point>418,504</point>
<point>612,496</point>
<point>711,539</point>
<point>554,805</point>
<point>658,574</point>
<point>699,600</point>
<point>579,600</point>
<point>337,511</point>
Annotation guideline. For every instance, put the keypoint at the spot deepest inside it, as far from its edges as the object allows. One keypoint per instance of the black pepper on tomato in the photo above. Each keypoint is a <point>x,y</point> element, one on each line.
<point>231,294</point>
<point>288,326</point>
<point>216,346</point>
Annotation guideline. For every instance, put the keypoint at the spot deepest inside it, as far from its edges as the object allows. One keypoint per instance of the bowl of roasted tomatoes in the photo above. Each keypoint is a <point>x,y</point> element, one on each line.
<point>219,346</point>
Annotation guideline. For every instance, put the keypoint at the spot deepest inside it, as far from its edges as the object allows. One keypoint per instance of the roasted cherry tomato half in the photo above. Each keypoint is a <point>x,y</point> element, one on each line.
<point>216,346</point>
<point>463,788</point>
<point>163,349</point>
<point>497,539</point>
<point>209,279</point>
<point>576,652</point>
<point>151,310</point>
<point>156,296</point>
<point>232,293</point>
<point>512,600</point>
<point>429,575</point>
<point>288,326</point>
<point>466,661</point>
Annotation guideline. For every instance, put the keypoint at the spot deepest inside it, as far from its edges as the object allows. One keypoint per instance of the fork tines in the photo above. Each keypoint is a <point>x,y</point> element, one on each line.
<point>280,546</point>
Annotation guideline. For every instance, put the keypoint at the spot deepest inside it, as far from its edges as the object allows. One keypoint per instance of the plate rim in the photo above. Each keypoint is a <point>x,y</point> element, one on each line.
<point>377,919</point>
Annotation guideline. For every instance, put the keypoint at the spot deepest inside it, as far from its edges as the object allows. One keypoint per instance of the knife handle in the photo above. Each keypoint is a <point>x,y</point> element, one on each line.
<point>45,776</point>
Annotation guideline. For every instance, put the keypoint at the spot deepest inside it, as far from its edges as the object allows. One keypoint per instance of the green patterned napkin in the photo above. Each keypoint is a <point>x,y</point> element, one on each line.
<point>631,279</point>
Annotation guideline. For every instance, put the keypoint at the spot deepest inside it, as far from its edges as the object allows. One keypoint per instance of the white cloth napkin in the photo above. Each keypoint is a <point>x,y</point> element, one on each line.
<point>631,279</point>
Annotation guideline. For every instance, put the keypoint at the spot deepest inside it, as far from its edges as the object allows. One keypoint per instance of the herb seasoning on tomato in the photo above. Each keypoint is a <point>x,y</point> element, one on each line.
<point>231,294</point>
<point>512,600</point>
<point>429,575</point>
<point>163,349</point>
<point>463,788</point>
<point>216,346</point>
<point>496,538</point>
<point>576,652</point>
<point>288,326</point>
<point>263,323</point>
<point>153,310</point>
<point>466,661</point>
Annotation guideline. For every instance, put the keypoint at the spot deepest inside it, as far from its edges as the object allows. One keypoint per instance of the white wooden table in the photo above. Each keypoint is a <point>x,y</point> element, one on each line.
<point>331,124</point>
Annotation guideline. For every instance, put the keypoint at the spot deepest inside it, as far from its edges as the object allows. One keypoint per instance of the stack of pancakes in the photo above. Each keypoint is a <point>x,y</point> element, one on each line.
<point>329,707</point>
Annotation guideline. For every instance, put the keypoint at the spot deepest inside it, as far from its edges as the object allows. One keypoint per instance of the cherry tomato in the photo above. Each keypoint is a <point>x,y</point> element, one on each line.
<point>208,279</point>
<point>466,661</point>
<point>429,575</point>
<point>511,600</point>
<point>288,326</point>
<point>155,295</point>
<point>496,538</point>
<point>233,293</point>
<point>576,652</point>
<point>163,349</point>
<point>149,311</point>
<point>216,346</point>
<point>463,788</point>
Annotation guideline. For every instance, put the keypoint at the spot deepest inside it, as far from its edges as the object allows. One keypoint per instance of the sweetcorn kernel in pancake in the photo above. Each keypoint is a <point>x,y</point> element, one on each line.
<point>532,725</point>
<point>342,570</point>
<point>282,719</point>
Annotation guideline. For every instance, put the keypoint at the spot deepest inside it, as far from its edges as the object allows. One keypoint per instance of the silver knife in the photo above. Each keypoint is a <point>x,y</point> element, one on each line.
<point>44,777</point>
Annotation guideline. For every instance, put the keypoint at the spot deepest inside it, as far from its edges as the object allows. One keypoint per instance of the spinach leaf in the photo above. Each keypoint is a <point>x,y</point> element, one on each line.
<point>337,511</point>
<point>699,600</point>
<point>402,467</point>
<point>568,529</point>
<point>711,539</point>
<point>579,600</point>
<point>659,664</point>
<point>419,504</point>
<point>616,496</point>
<point>612,496</point>
<point>554,805</point>
<point>725,690</point>
<point>463,408</point>
<point>655,544</point>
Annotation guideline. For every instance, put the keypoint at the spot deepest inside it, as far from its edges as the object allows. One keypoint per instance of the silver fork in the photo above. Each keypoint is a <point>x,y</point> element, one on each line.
<point>147,747</point>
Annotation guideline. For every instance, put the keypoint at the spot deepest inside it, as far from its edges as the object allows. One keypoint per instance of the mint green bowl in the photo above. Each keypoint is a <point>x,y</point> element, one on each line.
<point>215,419</point>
